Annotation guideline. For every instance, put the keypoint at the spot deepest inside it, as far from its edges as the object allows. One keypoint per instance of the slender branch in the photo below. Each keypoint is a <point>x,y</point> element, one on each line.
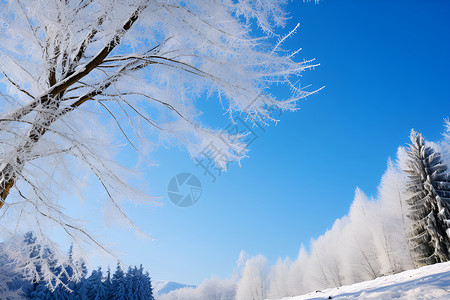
<point>118,124</point>
<point>17,86</point>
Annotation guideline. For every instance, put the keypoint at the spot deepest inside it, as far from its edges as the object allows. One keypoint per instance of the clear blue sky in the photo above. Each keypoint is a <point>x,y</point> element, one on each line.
<point>386,69</point>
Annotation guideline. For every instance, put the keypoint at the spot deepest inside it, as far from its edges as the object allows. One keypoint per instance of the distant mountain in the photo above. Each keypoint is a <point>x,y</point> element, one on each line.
<point>161,287</point>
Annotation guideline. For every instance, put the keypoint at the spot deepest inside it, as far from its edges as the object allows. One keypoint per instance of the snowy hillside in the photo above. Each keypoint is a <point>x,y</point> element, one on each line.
<point>161,287</point>
<point>430,282</point>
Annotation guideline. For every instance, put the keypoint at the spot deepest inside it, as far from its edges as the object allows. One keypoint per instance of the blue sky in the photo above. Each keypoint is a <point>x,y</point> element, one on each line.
<point>386,69</point>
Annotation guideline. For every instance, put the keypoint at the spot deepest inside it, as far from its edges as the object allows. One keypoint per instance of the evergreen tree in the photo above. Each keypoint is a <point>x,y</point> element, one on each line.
<point>61,293</point>
<point>107,283</point>
<point>118,285</point>
<point>69,268</point>
<point>40,292</point>
<point>81,290</point>
<point>145,290</point>
<point>131,283</point>
<point>429,202</point>
<point>96,289</point>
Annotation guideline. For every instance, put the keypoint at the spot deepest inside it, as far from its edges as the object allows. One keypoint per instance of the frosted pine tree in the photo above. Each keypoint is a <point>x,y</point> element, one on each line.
<point>61,293</point>
<point>80,286</point>
<point>428,188</point>
<point>132,282</point>
<point>143,285</point>
<point>118,285</point>
<point>96,288</point>
<point>81,290</point>
<point>107,282</point>
<point>41,292</point>
<point>146,289</point>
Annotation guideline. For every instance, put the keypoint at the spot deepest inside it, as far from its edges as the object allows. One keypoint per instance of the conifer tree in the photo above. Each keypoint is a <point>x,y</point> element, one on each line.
<point>145,289</point>
<point>139,284</point>
<point>81,290</point>
<point>132,282</point>
<point>429,202</point>
<point>40,292</point>
<point>118,285</point>
<point>96,288</point>
<point>61,293</point>
<point>107,283</point>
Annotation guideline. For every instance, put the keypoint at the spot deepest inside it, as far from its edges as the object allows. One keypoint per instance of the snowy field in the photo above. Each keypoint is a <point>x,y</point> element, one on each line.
<point>430,282</point>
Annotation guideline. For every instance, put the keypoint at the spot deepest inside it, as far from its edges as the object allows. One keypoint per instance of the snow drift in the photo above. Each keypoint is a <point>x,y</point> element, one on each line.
<point>429,282</point>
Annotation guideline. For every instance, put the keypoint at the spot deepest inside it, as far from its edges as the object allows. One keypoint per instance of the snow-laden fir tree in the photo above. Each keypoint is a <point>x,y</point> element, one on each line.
<point>428,188</point>
<point>138,284</point>
<point>131,282</point>
<point>118,289</point>
<point>81,290</point>
<point>41,292</point>
<point>107,282</point>
<point>97,288</point>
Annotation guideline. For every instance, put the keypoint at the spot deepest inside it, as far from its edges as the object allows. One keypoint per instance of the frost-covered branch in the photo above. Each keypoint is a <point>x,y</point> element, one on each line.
<point>67,66</point>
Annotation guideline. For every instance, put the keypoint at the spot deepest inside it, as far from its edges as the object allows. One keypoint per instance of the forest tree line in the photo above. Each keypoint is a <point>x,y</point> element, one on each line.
<point>134,284</point>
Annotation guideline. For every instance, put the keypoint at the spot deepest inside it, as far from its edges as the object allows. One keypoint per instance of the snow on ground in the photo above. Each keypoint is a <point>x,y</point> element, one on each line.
<point>430,282</point>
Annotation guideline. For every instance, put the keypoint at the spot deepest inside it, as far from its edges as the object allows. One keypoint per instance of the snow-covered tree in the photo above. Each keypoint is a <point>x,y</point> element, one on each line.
<point>73,73</point>
<point>41,292</point>
<point>132,282</point>
<point>279,279</point>
<point>96,288</point>
<point>362,226</point>
<point>107,281</point>
<point>429,202</point>
<point>393,221</point>
<point>81,290</point>
<point>60,292</point>
<point>298,274</point>
<point>139,285</point>
<point>217,289</point>
<point>118,289</point>
<point>254,283</point>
